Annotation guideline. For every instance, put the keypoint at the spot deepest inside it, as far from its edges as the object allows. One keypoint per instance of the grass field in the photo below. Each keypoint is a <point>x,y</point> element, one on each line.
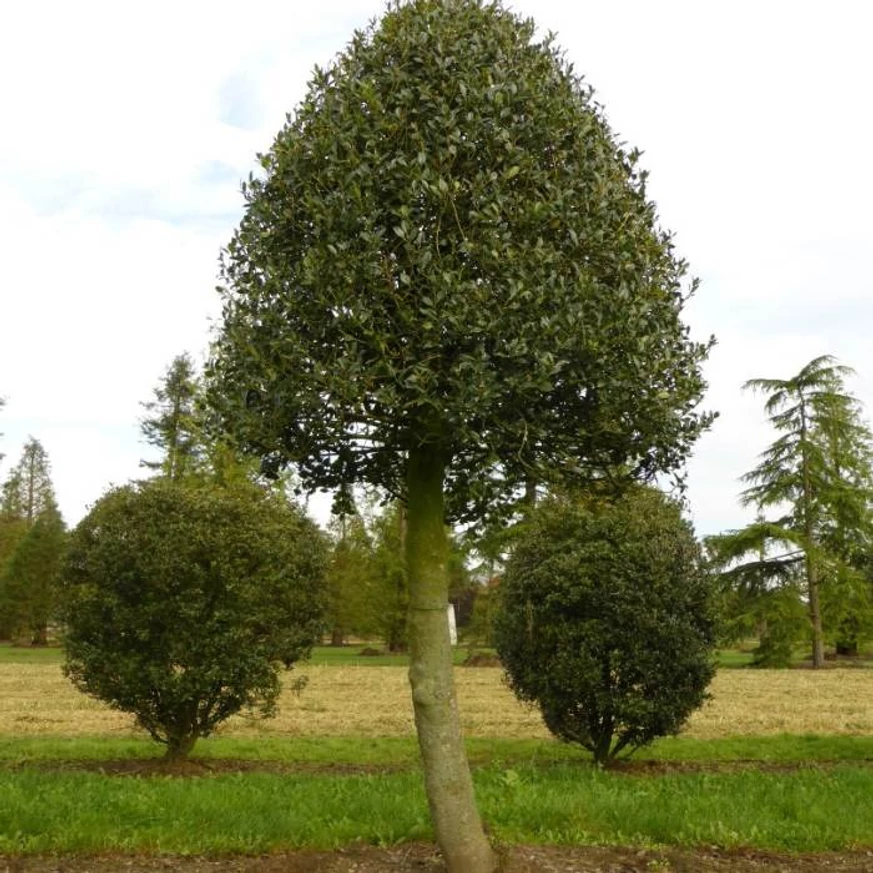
<point>779,760</point>
<point>336,656</point>
<point>563,804</point>
<point>374,702</point>
<point>352,655</point>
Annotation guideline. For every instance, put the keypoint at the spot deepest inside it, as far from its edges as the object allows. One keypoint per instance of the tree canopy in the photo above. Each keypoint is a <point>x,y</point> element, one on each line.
<point>448,249</point>
<point>173,424</point>
<point>32,543</point>
<point>28,490</point>
<point>29,580</point>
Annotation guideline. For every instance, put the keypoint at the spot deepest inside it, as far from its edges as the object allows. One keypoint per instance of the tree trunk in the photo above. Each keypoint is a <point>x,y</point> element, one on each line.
<point>847,648</point>
<point>449,786</point>
<point>337,637</point>
<point>178,748</point>
<point>811,569</point>
<point>815,615</point>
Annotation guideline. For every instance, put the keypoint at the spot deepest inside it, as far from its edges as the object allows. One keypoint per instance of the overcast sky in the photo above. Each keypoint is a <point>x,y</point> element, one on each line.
<point>126,129</point>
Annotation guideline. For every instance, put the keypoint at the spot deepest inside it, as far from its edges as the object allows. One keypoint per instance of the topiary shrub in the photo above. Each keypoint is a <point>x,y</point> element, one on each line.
<point>182,602</point>
<point>606,620</point>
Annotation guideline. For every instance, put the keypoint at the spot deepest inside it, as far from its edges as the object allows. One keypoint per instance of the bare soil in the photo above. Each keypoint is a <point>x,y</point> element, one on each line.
<point>423,858</point>
<point>194,768</point>
<point>200,768</point>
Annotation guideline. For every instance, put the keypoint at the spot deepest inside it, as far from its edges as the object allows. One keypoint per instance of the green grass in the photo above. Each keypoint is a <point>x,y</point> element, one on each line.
<point>340,656</point>
<point>308,751</point>
<point>805,810</point>
<point>530,791</point>
<point>350,656</point>
<point>10,654</point>
<point>742,655</point>
<point>403,751</point>
<point>804,748</point>
<point>569,803</point>
<point>733,658</point>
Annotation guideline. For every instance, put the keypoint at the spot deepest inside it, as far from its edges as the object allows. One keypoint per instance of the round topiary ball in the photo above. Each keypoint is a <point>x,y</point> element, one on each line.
<point>181,603</point>
<point>606,620</point>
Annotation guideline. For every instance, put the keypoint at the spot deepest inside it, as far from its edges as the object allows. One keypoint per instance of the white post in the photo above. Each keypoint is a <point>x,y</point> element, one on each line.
<point>453,624</point>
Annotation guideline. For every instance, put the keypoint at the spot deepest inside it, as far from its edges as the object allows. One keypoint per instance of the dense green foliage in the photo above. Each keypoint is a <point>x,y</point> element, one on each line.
<point>32,543</point>
<point>449,250</point>
<point>29,579</point>
<point>191,448</point>
<point>390,579</point>
<point>182,602</point>
<point>28,491</point>
<point>816,478</point>
<point>351,605</point>
<point>606,620</point>
<point>13,529</point>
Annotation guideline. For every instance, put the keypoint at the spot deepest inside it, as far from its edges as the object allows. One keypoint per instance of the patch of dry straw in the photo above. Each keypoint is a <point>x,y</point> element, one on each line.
<point>374,701</point>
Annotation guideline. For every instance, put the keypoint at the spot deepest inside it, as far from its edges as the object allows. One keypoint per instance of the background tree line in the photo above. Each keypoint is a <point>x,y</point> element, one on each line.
<point>802,572</point>
<point>32,543</point>
<point>366,583</point>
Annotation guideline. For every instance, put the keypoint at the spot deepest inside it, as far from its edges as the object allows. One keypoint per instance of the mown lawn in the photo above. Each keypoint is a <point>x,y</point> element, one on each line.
<point>803,794</point>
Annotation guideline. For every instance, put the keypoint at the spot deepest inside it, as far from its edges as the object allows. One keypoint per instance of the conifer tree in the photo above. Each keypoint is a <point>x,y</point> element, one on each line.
<point>28,490</point>
<point>32,577</point>
<point>173,425</point>
<point>31,546</point>
<point>818,477</point>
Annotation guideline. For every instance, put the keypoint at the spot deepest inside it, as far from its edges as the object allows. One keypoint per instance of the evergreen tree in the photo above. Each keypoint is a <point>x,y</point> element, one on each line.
<point>173,425</point>
<point>390,584</point>
<point>817,476</point>
<point>28,489</point>
<point>181,600</point>
<point>31,546</point>
<point>606,619</point>
<point>449,281</point>
<point>13,529</point>
<point>350,607</point>
<point>32,577</point>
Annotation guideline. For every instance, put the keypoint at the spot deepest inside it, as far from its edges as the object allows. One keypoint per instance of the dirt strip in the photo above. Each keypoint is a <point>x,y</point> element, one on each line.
<point>423,858</point>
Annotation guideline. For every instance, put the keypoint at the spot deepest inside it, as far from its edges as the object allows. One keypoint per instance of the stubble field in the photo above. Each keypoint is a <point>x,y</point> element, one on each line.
<point>36,699</point>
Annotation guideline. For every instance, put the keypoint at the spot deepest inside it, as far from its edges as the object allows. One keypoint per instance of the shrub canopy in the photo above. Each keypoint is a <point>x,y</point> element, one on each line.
<point>181,602</point>
<point>606,620</point>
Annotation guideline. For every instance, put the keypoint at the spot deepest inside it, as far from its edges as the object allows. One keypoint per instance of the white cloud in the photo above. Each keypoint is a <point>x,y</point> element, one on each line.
<point>126,130</point>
